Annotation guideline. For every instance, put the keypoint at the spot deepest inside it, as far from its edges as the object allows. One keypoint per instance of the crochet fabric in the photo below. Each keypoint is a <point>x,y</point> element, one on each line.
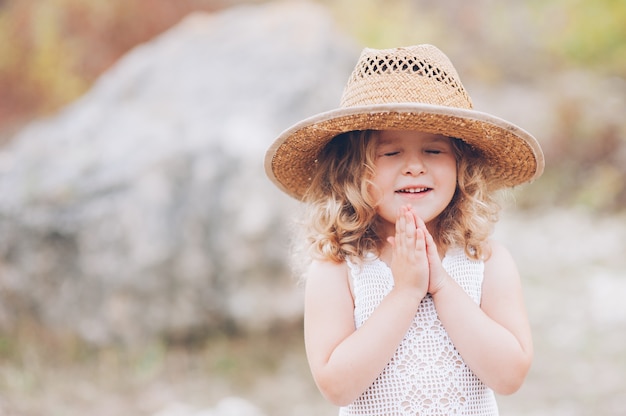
<point>426,376</point>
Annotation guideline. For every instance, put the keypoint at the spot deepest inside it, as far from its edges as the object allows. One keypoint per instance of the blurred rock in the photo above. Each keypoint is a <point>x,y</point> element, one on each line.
<point>142,210</point>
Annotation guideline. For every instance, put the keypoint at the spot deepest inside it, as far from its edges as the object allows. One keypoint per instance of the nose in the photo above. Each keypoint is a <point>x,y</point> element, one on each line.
<point>414,165</point>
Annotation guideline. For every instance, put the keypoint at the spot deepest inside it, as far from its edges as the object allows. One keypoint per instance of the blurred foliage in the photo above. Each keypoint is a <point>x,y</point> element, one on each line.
<point>384,24</point>
<point>51,51</point>
<point>567,33</point>
<point>588,33</point>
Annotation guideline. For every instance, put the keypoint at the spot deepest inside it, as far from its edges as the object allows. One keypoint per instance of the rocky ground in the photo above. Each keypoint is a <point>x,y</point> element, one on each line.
<point>573,267</point>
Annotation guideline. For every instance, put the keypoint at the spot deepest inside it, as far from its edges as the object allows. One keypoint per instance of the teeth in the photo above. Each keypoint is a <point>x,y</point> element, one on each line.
<point>414,190</point>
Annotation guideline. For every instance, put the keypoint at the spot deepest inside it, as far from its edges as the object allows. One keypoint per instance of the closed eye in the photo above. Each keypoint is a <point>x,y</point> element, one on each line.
<point>390,153</point>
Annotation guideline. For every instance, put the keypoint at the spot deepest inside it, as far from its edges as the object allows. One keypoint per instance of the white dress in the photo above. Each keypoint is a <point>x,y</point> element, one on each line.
<point>426,375</point>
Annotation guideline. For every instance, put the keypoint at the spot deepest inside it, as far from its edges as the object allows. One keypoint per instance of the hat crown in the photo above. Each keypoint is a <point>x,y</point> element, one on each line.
<point>389,76</point>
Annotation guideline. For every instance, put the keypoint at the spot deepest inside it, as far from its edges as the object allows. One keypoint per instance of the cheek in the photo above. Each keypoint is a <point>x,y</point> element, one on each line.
<point>452,170</point>
<point>448,179</point>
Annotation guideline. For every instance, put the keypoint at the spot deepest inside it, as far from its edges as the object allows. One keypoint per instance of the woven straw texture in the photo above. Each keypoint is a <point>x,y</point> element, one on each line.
<point>414,88</point>
<point>421,75</point>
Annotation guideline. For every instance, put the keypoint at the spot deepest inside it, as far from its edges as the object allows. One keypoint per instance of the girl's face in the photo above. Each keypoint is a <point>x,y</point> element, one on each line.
<point>415,168</point>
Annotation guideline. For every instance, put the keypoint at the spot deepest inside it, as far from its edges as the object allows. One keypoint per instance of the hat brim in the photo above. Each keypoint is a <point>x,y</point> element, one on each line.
<point>513,156</point>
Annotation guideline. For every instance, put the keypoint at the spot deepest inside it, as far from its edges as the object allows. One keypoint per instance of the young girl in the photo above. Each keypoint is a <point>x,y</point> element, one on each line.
<point>410,308</point>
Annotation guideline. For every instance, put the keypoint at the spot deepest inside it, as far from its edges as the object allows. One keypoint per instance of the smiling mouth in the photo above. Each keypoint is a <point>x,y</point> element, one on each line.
<point>413,190</point>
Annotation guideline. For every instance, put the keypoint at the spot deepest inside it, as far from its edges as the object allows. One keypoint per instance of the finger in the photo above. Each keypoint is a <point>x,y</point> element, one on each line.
<point>409,225</point>
<point>413,224</point>
<point>431,249</point>
<point>400,224</point>
<point>420,242</point>
<point>413,213</point>
<point>419,223</point>
<point>400,237</point>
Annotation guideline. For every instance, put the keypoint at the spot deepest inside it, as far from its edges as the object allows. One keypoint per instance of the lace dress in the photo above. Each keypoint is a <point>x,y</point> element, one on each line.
<point>426,376</point>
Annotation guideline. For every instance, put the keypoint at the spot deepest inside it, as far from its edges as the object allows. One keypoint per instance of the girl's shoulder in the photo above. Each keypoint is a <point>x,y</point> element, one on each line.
<point>327,283</point>
<point>497,252</point>
<point>338,277</point>
<point>500,266</point>
<point>326,264</point>
<point>326,272</point>
<point>491,250</point>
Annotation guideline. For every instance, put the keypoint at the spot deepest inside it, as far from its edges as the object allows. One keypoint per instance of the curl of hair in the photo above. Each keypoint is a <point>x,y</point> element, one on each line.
<point>340,216</point>
<point>469,219</point>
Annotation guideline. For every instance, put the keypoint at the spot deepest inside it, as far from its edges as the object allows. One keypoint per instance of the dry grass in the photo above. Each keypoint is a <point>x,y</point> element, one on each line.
<point>68,378</point>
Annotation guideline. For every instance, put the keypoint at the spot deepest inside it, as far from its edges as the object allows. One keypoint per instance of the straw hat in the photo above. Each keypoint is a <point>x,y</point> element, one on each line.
<point>411,88</point>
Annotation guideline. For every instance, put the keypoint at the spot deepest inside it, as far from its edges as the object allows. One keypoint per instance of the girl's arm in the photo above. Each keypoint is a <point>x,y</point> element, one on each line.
<point>494,338</point>
<point>344,361</point>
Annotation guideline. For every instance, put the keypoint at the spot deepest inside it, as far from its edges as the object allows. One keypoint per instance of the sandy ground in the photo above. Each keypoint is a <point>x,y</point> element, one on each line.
<point>574,271</point>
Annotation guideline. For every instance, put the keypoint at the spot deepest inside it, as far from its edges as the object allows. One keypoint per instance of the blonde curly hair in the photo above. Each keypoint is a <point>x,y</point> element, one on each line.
<point>340,219</point>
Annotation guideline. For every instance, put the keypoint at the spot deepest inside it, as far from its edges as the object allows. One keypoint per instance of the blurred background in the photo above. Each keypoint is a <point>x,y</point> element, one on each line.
<point>144,256</point>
